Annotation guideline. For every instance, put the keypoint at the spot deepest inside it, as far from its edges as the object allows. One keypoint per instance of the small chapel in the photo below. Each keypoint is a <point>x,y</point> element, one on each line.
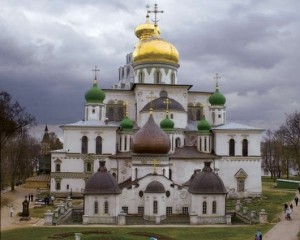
<point>152,147</point>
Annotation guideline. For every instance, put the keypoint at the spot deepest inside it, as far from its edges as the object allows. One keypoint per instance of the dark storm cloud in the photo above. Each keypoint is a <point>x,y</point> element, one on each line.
<point>48,48</point>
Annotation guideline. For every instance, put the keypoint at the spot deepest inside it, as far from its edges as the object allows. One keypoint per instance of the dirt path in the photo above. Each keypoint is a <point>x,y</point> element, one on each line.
<point>286,230</point>
<point>16,198</point>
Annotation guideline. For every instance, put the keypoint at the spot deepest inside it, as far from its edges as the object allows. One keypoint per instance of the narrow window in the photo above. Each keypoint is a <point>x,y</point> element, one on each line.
<point>173,78</point>
<point>96,207</point>
<point>57,167</point>
<point>245,147</point>
<point>140,210</point>
<point>67,186</point>
<point>164,172</point>
<point>214,207</point>
<point>169,210</point>
<point>170,174</point>
<point>106,207</point>
<point>125,209</point>
<point>157,77</point>
<point>57,185</point>
<point>136,173</point>
<point>141,77</point>
<point>88,167</point>
<point>231,147</point>
<point>205,144</point>
<point>155,207</point>
<point>204,207</point>
<point>98,145</point>
<point>84,145</point>
<point>93,111</point>
<point>240,185</point>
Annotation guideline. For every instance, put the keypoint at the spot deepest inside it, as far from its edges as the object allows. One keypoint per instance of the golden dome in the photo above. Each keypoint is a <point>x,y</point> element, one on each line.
<point>152,48</point>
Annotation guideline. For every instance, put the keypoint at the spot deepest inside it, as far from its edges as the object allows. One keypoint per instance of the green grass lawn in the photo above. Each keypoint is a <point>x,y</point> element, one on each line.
<point>272,201</point>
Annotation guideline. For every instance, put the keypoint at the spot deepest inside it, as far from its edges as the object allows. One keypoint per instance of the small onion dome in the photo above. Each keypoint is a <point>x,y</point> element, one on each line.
<point>207,182</point>
<point>203,126</point>
<point>145,30</point>
<point>155,187</point>
<point>95,94</point>
<point>155,50</point>
<point>217,98</point>
<point>102,182</point>
<point>126,124</point>
<point>151,139</point>
<point>167,124</point>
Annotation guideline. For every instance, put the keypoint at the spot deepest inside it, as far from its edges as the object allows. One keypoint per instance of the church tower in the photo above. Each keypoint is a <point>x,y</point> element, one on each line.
<point>94,107</point>
<point>155,61</point>
<point>126,132</point>
<point>217,105</point>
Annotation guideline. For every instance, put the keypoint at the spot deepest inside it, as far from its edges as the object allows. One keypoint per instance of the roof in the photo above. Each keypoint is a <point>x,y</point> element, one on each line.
<point>191,152</point>
<point>155,187</point>
<point>92,123</point>
<point>158,104</point>
<point>39,178</point>
<point>235,126</point>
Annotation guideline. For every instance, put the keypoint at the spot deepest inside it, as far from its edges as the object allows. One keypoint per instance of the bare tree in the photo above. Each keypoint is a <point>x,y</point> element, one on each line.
<point>13,120</point>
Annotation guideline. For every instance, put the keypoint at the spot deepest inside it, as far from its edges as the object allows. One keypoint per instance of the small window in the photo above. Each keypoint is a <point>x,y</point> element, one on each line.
<point>245,148</point>
<point>168,193</point>
<point>57,167</point>
<point>231,147</point>
<point>155,207</point>
<point>185,210</point>
<point>57,185</point>
<point>93,111</point>
<point>214,207</point>
<point>141,194</point>
<point>219,115</point>
<point>84,145</point>
<point>169,210</point>
<point>96,207</point>
<point>204,207</point>
<point>171,116</point>
<point>106,207</point>
<point>88,167</point>
<point>98,145</point>
<point>141,210</point>
<point>68,186</point>
<point>240,185</point>
<point>125,209</point>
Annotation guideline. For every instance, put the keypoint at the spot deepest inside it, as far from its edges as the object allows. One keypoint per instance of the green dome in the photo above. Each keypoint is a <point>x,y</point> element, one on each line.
<point>95,94</point>
<point>217,98</point>
<point>126,124</point>
<point>203,126</point>
<point>167,123</point>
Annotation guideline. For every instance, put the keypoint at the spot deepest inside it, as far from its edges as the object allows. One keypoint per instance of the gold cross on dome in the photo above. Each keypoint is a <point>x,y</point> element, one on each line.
<point>126,108</point>
<point>155,162</point>
<point>155,11</point>
<point>96,69</point>
<point>167,102</point>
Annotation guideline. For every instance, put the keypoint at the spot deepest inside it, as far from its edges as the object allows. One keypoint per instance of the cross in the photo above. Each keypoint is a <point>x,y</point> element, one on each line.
<point>96,69</point>
<point>151,97</point>
<point>155,162</point>
<point>126,108</point>
<point>167,101</point>
<point>217,77</point>
<point>155,11</point>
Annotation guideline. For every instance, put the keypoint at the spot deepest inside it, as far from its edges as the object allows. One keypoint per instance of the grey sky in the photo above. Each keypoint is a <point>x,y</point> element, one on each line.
<point>48,48</point>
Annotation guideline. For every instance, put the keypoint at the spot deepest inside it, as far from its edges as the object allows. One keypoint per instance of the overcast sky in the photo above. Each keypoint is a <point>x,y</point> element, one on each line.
<point>48,48</point>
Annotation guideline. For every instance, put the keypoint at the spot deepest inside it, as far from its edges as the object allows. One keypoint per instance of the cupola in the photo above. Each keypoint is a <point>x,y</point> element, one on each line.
<point>217,99</point>
<point>203,126</point>
<point>95,94</point>
<point>167,124</point>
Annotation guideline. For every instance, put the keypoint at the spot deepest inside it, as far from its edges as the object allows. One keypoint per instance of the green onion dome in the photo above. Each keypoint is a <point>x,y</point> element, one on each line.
<point>167,123</point>
<point>217,98</point>
<point>95,94</point>
<point>126,124</point>
<point>203,126</point>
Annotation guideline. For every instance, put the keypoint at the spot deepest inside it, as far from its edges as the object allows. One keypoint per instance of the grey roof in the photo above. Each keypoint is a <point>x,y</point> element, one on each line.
<point>158,104</point>
<point>191,152</point>
<point>92,123</point>
<point>155,187</point>
<point>235,126</point>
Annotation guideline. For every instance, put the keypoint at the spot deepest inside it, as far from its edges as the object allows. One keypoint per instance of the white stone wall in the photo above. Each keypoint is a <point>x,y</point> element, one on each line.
<point>197,203</point>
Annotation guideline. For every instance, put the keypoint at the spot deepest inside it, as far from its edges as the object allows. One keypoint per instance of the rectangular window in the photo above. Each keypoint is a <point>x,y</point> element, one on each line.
<point>67,186</point>
<point>155,207</point>
<point>169,210</point>
<point>106,207</point>
<point>141,210</point>
<point>185,210</point>
<point>240,185</point>
<point>125,209</point>
<point>57,185</point>
<point>204,207</point>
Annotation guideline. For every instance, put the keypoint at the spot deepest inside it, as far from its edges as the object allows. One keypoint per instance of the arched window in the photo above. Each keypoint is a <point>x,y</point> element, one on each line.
<point>245,148</point>
<point>173,78</point>
<point>155,207</point>
<point>231,147</point>
<point>170,174</point>
<point>57,167</point>
<point>205,143</point>
<point>204,207</point>
<point>96,207</point>
<point>57,185</point>
<point>214,207</point>
<point>213,117</point>
<point>84,145</point>
<point>178,142</point>
<point>98,145</point>
<point>106,207</point>
<point>157,77</point>
<point>164,172</point>
<point>88,167</point>
<point>136,173</point>
<point>141,77</point>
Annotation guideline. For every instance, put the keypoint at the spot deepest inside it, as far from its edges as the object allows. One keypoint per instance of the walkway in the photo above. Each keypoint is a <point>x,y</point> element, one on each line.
<point>284,230</point>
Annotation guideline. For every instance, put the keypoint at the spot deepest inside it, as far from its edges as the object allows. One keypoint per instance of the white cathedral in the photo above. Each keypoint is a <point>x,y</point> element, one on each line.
<point>163,149</point>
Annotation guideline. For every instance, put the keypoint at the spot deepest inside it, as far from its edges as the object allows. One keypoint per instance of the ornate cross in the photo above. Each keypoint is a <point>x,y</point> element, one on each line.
<point>155,11</point>
<point>217,77</point>
<point>167,102</point>
<point>126,108</point>
<point>155,162</point>
<point>96,69</point>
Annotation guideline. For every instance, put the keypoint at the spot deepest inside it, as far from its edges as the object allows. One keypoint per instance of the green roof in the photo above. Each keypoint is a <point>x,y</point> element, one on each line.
<point>95,94</point>
<point>167,123</point>
<point>126,124</point>
<point>217,98</point>
<point>203,126</point>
